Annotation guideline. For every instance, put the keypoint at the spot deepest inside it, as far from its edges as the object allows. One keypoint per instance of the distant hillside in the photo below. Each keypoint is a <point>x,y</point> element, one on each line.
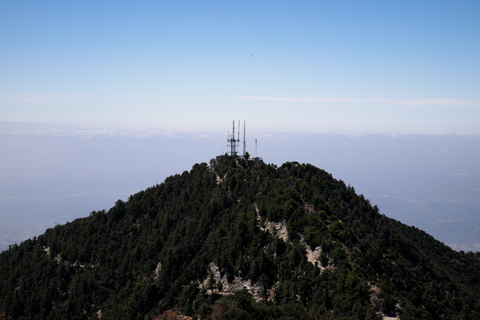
<point>239,240</point>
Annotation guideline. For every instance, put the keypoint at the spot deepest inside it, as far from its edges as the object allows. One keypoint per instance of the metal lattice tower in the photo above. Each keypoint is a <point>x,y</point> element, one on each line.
<point>232,142</point>
<point>244,140</point>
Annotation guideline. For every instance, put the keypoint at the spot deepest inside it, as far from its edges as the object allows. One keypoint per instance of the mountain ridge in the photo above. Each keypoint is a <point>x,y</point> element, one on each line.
<point>186,242</point>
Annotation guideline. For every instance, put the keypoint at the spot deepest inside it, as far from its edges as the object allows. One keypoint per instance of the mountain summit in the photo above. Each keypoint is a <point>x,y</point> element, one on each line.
<point>238,239</point>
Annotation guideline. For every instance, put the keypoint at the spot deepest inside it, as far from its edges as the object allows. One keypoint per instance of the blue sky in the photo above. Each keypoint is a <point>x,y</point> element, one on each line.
<point>378,66</point>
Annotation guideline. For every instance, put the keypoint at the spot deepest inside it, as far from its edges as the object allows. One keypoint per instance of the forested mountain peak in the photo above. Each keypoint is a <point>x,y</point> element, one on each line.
<point>238,239</point>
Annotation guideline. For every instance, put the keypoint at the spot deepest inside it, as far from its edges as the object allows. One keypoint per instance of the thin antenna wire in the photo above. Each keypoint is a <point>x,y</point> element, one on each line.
<point>244,141</point>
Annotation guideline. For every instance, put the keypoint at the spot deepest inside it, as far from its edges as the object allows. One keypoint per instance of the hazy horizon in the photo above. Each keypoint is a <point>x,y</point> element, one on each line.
<point>56,174</point>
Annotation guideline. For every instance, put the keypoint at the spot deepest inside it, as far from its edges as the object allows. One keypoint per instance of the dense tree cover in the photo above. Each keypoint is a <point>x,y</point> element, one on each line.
<point>145,257</point>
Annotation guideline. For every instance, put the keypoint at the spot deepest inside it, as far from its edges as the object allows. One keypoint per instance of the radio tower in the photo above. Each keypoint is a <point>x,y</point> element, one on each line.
<point>244,143</point>
<point>233,143</point>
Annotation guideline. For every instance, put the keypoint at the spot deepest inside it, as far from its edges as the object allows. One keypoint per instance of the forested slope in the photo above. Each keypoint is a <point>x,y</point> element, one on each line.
<point>239,240</point>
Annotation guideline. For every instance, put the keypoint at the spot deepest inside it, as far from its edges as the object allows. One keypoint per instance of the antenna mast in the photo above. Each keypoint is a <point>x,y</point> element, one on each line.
<point>233,143</point>
<point>244,141</point>
<point>238,136</point>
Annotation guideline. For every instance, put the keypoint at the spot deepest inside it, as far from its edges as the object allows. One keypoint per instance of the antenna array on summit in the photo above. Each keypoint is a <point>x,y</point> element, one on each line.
<point>234,143</point>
